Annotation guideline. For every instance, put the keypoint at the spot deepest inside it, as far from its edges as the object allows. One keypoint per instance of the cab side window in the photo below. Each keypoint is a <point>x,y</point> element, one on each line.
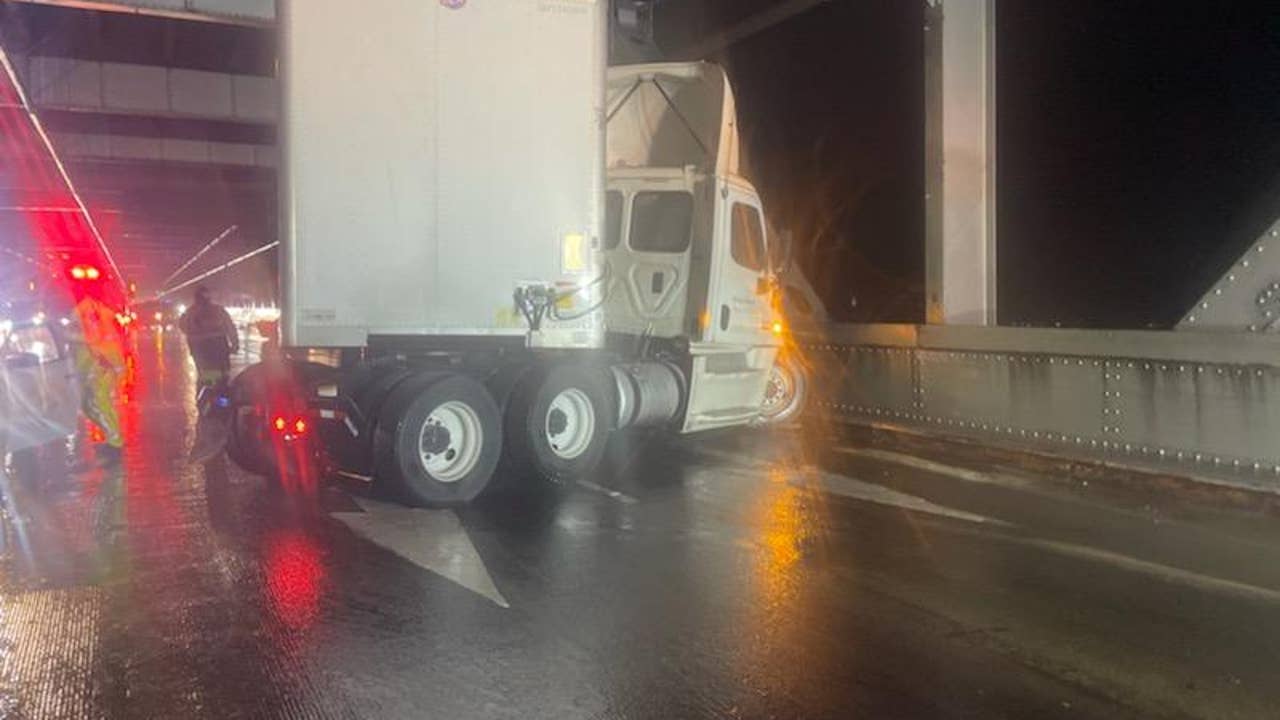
<point>661,222</point>
<point>747,243</point>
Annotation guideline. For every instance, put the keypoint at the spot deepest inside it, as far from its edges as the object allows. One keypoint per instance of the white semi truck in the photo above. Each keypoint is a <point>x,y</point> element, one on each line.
<point>499,246</point>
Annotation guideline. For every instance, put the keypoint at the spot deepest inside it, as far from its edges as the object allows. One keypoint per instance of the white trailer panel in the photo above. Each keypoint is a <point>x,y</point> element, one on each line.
<point>438,154</point>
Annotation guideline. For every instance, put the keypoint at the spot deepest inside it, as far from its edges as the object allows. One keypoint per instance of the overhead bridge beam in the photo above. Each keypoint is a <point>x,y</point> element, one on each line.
<point>86,146</point>
<point>149,113</point>
<point>232,12</point>
<point>67,83</point>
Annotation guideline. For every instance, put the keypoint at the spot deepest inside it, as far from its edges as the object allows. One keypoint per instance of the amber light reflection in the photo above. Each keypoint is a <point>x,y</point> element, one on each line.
<point>783,607</point>
<point>780,514</point>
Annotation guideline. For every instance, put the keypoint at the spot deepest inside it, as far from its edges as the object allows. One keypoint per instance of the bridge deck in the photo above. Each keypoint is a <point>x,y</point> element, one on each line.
<point>824,574</point>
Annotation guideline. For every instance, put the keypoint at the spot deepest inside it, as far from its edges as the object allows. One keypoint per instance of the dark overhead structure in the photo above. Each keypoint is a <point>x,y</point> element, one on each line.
<point>165,112</point>
<point>166,124</point>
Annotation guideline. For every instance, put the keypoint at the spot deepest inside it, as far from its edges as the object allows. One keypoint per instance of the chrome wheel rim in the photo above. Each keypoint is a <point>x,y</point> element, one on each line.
<point>780,392</point>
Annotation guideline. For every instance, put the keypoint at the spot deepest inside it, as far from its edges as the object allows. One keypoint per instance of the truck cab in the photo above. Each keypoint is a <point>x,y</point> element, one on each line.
<point>687,262</point>
<point>685,239</point>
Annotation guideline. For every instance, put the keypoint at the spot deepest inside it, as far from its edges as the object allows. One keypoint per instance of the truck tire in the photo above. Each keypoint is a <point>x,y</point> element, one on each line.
<point>439,442</point>
<point>786,393</point>
<point>246,442</point>
<point>558,422</point>
<point>257,392</point>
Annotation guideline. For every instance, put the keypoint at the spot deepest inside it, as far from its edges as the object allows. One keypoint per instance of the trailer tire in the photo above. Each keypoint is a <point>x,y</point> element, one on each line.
<point>245,443</point>
<point>559,420</point>
<point>438,442</point>
<point>786,393</point>
<point>244,449</point>
<point>255,393</point>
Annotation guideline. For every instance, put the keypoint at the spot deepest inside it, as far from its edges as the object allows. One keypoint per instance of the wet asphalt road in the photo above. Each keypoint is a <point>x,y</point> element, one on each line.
<point>816,574</point>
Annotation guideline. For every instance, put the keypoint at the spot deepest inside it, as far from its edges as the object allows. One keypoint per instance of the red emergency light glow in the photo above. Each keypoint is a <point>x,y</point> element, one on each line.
<point>85,272</point>
<point>280,424</point>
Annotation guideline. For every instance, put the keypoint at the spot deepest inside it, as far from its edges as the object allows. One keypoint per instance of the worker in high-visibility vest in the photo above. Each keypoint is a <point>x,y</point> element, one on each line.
<point>98,352</point>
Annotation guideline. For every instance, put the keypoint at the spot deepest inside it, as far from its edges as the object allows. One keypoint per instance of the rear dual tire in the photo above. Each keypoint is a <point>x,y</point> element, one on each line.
<point>558,422</point>
<point>439,440</point>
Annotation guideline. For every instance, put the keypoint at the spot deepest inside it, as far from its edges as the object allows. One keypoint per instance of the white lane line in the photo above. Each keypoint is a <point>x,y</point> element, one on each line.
<point>1149,568</point>
<point>434,540</point>
<point>807,476</point>
<point>881,495</point>
<point>870,492</point>
<point>621,497</point>
<point>936,468</point>
<point>1167,573</point>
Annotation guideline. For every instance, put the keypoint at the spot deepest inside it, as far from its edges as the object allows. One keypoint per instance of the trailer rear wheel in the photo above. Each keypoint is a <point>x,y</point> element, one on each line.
<point>246,436</point>
<point>261,392</point>
<point>246,444</point>
<point>559,421</point>
<point>439,443</point>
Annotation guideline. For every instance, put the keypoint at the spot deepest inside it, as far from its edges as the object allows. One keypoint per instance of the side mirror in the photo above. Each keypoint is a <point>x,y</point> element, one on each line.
<point>634,18</point>
<point>780,252</point>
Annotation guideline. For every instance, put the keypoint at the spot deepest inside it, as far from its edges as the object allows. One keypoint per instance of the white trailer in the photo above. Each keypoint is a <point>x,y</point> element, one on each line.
<point>483,272</point>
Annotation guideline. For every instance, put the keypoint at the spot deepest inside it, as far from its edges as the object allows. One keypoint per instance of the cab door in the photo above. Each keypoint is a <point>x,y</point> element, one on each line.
<point>739,296</point>
<point>649,260</point>
<point>730,366</point>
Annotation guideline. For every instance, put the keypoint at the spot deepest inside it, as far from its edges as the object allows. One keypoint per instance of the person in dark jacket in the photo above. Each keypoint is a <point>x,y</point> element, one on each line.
<point>211,337</point>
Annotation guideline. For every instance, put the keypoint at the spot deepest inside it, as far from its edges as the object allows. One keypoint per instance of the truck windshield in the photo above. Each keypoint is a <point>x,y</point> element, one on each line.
<point>661,221</point>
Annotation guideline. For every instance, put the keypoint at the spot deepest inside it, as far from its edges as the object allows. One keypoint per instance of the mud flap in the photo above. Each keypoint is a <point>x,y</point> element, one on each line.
<point>211,437</point>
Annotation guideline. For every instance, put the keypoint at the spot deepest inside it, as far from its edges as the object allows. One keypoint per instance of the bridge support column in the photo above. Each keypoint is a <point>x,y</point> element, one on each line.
<point>960,156</point>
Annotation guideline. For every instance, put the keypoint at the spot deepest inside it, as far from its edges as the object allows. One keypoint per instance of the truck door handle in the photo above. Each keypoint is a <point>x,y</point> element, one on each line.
<point>656,283</point>
<point>724,317</point>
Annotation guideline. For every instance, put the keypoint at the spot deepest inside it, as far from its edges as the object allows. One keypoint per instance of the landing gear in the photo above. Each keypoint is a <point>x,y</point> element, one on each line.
<point>559,420</point>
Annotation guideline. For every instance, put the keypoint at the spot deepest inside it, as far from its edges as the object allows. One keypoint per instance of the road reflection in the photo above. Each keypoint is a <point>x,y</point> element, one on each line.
<point>295,573</point>
<point>784,609</point>
<point>780,514</point>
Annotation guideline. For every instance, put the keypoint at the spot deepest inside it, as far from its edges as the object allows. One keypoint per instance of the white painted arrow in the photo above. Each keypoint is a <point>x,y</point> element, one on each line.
<point>431,539</point>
